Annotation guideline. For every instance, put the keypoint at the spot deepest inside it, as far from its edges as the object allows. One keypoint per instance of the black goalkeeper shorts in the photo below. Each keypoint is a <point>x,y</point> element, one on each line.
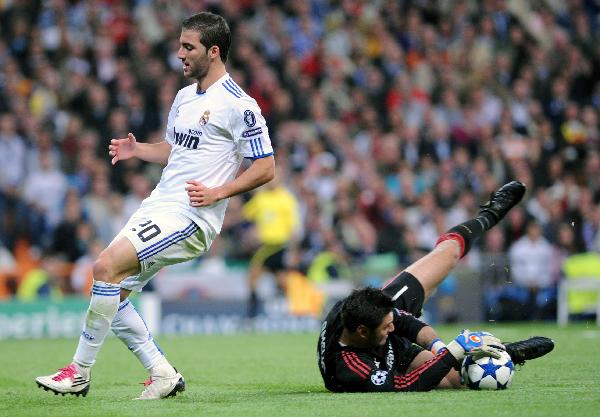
<point>406,292</point>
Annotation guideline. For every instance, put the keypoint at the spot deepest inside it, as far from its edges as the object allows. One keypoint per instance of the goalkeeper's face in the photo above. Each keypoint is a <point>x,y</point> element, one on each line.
<point>378,336</point>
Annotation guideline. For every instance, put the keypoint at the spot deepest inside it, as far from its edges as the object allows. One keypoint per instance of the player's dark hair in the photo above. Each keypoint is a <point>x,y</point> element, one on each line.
<point>213,30</point>
<point>367,306</point>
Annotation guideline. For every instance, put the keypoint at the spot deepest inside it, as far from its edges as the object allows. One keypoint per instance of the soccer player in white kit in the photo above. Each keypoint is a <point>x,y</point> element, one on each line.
<point>212,126</point>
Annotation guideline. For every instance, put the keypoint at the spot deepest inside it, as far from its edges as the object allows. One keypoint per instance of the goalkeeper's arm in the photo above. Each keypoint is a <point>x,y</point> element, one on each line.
<point>429,339</point>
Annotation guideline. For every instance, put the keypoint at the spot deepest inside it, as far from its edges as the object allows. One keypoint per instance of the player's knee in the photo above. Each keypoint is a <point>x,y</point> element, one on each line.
<point>450,249</point>
<point>103,270</point>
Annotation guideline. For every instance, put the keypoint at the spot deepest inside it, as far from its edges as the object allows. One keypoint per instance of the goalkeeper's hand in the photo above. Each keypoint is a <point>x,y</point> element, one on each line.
<point>477,344</point>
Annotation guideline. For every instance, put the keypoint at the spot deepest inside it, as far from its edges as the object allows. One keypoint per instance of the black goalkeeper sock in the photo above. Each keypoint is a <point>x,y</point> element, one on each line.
<point>468,232</point>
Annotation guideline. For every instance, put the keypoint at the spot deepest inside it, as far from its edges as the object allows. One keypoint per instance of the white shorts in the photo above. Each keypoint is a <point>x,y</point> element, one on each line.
<point>161,239</point>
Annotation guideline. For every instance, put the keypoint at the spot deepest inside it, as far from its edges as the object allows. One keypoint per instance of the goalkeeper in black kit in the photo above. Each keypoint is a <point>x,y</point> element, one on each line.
<point>374,341</point>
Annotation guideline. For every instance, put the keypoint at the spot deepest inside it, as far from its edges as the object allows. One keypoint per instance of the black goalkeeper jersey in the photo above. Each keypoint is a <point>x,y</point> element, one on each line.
<point>350,369</point>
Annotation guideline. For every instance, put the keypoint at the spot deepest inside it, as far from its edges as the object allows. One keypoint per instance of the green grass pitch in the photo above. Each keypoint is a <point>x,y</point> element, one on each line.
<point>275,375</point>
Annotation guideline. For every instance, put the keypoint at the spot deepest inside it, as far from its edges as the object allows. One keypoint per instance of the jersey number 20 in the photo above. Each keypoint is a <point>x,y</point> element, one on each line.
<point>149,231</point>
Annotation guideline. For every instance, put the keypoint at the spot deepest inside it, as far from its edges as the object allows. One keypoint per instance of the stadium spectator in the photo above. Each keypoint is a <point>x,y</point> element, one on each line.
<point>9,196</point>
<point>457,74</point>
<point>495,272</point>
<point>45,189</point>
<point>534,274</point>
<point>8,272</point>
<point>82,276</point>
<point>201,154</point>
<point>46,281</point>
<point>71,236</point>
<point>96,205</point>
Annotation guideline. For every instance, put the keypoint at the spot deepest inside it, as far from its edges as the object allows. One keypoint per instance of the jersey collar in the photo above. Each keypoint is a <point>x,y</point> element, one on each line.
<point>219,81</point>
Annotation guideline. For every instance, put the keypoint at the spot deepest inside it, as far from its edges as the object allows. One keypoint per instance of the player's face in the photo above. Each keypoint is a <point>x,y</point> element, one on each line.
<point>193,55</point>
<point>379,336</point>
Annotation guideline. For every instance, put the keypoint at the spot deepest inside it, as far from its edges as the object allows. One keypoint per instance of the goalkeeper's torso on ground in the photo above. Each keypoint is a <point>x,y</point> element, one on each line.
<point>346,368</point>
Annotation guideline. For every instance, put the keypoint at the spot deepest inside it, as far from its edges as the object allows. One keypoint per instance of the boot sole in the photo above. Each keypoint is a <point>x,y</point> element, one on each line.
<point>83,392</point>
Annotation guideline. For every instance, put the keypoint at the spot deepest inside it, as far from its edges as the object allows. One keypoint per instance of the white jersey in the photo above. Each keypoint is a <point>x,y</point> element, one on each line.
<point>210,134</point>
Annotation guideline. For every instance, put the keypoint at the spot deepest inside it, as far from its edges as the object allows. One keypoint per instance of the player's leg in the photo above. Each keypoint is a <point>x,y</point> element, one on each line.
<point>143,247</point>
<point>164,239</point>
<point>276,263</point>
<point>132,330</point>
<point>267,257</point>
<point>116,262</point>
<point>254,273</point>
<point>431,269</point>
<point>451,380</point>
<point>160,239</point>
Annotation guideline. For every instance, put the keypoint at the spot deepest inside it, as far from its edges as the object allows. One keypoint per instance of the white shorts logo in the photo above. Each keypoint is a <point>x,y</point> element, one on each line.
<point>379,377</point>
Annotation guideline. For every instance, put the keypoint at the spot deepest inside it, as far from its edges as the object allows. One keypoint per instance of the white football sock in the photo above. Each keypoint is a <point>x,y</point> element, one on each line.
<point>163,368</point>
<point>129,326</point>
<point>102,310</point>
<point>84,371</point>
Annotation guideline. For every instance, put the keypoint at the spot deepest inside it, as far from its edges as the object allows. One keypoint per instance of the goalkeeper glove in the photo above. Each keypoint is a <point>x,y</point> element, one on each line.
<point>476,344</point>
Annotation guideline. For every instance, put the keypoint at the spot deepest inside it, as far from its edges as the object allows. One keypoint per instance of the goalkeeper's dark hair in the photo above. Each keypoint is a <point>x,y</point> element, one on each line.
<point>367,306</point>
<point>213,30</point>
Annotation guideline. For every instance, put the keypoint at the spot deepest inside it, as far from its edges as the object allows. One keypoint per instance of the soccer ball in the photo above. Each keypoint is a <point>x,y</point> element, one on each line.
<point>488,373</point>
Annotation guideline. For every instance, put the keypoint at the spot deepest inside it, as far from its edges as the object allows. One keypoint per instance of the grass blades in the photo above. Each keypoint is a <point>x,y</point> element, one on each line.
<point>276,375</point>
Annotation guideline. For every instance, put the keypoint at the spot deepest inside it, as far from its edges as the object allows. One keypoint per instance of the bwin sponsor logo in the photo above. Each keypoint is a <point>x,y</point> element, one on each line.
<point>186,140</point>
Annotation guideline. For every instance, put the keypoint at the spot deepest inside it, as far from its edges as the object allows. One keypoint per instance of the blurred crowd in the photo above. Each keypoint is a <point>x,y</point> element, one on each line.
<point>391,120</point>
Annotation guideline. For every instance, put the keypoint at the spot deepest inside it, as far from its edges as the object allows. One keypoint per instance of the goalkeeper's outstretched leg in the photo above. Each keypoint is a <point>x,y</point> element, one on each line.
<point>432,268</point>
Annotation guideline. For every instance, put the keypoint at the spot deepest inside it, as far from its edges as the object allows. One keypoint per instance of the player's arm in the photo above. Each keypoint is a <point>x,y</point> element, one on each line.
<point>356,373</point>
<point>408,326</point>
<point>261,171</point>
<point>129,147</point>
<point>417,331</point>
<point>429,339</point>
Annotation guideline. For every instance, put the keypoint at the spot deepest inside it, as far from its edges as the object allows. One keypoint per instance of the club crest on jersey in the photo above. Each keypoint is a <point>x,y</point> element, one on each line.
<point>204,118</point>
<point>249,118</point>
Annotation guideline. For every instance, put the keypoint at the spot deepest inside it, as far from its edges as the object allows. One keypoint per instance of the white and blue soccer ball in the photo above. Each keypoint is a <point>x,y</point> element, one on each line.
<point>488,373</point>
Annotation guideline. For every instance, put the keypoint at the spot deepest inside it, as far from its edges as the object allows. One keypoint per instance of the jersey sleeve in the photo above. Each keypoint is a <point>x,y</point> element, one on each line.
<point>170,131</point>
<point>356,373</point>
<point>249,130</point>
<point>407,325</point>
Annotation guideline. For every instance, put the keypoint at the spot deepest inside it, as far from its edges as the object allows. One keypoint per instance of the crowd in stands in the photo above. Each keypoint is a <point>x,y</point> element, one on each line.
<point>391,120</point>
